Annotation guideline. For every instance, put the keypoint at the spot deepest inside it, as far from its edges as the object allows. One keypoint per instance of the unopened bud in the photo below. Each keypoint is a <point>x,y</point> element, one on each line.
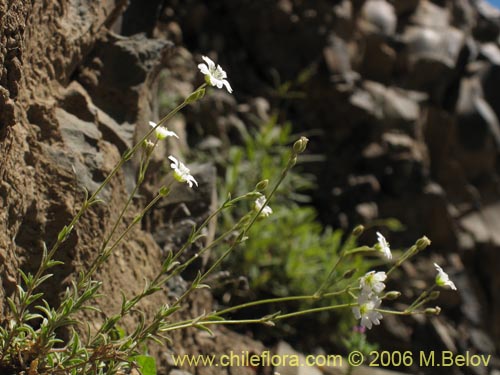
<point>292,161</point>
<point>392,295</point>
<point>148,145</point>
<point>197,95</point>
<point>349,274</point>
<point>262,185</point>
<point>422,243</point>
<point>434,295</point>
<point>164,191</point>
<point>358,231</point>
<point>245,220</point>
<point>433,310</point>
<point>300,145</point>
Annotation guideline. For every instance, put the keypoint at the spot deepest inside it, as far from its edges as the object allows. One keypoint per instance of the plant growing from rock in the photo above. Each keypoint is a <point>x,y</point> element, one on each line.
<point>29,339</point>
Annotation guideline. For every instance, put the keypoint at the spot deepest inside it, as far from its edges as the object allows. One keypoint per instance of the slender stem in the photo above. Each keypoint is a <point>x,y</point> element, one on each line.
<point>408,254</point>
<point>140,178</point>
<point>314,310</point>
<point>206,222</point>
<point>421,299</point>
<point>186,264</point>
<point>277,300</point>
<point>361,249</point>
<point>196,233</point>
<point>325,283</point>
<point>135,221</point>
<point>394,312</point>
<point>145,159</point>
<point>201,322</point>
<point>342,255</point>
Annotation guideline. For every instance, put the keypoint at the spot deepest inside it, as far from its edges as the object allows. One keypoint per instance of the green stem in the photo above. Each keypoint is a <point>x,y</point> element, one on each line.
<point>201,322</point>
<point>394,312</point>
<point>145,159</point>
<point>314,310</point>
<point>277,300</point>
<point>421,299</point>
<point>361,249</point>
<point>408,254</point>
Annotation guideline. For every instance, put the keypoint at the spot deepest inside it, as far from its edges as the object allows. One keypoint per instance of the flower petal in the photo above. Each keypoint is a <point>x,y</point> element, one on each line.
<point>228,86</point>
<point>204,69</point>
<point>210,63</point>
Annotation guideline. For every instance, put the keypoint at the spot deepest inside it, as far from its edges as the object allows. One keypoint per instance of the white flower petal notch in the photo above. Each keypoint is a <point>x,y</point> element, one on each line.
<point>383,246</point>
<point>181,172</point>
<point>259,204</point>
<point>442,278</point>
<point>162,132</point>
<point>214,75</point>
<point>367,310</point>
<point>372,282</point>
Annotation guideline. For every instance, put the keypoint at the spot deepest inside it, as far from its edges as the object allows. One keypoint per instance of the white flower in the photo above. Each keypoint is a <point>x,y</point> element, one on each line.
<point>162,132</point>
<point>366,310</point>
<point>181,172</point>
<point>373,282</point>
<point>259,203</point>
<point>442,278</point>
<point>216,76</point>
<point>383,246</point>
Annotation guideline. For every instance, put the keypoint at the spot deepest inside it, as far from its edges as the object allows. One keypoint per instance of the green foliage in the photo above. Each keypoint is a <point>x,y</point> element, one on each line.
<point>263,151</point>
<point>146,364</point>
<point>291,252</point>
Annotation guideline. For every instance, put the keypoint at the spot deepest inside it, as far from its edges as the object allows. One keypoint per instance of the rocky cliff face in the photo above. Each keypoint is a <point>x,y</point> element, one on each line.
<point>405,94</point>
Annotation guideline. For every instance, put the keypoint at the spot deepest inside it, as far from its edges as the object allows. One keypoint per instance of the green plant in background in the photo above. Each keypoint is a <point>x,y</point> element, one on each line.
<point>30,343</point>
<point>291,252</point>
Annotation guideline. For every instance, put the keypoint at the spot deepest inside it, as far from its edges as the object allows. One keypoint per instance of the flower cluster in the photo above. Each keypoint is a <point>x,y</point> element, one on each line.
<point>215,76</point>
<point>371,285</point>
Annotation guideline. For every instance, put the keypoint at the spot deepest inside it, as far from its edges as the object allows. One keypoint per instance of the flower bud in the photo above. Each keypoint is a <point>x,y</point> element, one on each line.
<point>434,295</point>
<point>358,231</point>
<point>262,185</point>
<point>392,295</point>
<point>164,191</point>
<point>422,243</point>
<point>197,95</point>
<point>349,274</point>
<point>300,145</point>
<point>433,310</point>
<point>292,161</point>
<point>148,145</point>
